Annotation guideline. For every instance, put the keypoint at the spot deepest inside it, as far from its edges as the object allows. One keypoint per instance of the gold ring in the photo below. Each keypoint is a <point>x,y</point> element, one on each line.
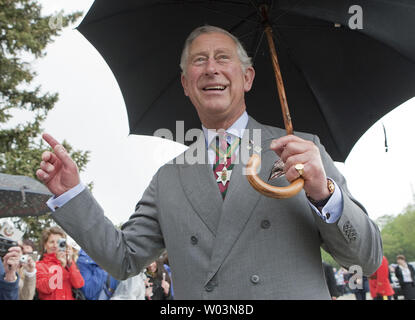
<point>300,168</point>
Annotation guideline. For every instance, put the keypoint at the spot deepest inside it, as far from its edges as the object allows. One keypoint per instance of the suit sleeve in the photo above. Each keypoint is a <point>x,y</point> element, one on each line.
<point>354,239</point>
<point>122,253</point>
<point>399,276</point>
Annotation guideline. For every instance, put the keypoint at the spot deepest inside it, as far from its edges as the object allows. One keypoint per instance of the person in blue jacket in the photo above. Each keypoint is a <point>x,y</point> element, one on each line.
<point>9,278</point>
<point>99,285</point>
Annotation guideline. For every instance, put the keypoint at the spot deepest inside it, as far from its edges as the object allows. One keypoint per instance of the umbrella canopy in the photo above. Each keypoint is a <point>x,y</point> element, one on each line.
<point>338,81</point>
<point>22,196</point>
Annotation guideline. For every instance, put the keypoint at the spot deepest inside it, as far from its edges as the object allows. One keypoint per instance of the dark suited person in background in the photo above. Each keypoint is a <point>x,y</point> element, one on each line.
<point>331,281</point>
<point>406,276</point>
<point>224,239</point>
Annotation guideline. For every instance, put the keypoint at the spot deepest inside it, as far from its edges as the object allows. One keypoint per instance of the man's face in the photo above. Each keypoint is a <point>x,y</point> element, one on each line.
<point>214,80</point>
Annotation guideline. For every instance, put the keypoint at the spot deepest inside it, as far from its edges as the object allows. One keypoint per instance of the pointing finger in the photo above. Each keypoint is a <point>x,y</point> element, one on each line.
<point>59,150</point>
<point>50,140</point>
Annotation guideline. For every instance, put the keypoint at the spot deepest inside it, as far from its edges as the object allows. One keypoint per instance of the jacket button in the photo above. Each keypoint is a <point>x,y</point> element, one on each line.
<point>255,279</point>
<point>265,224</point>
<point>193,240</point>
<point>209,287</point>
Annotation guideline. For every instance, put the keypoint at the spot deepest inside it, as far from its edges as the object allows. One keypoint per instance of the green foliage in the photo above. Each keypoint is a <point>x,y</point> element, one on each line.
<point>326,257</point>
<point>24,35</point>
<point>398,236</point>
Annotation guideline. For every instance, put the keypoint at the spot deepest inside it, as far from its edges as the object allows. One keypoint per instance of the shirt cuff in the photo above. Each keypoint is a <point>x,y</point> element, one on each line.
<point>54,203</point>
<point>332,211</point>
<point>30,274</point>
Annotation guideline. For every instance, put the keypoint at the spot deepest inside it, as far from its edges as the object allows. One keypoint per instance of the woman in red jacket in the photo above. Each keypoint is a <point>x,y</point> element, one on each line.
<point>380,287</point>
<point>56,273</point>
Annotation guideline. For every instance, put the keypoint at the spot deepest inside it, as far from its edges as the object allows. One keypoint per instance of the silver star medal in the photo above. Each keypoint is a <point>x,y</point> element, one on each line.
<point>224,175</point>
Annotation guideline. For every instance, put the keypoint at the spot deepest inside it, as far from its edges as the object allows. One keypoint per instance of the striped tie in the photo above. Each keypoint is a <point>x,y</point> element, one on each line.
<point>224,161</point>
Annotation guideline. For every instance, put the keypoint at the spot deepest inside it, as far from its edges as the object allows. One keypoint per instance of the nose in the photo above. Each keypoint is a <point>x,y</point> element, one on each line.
<point>211,67</point>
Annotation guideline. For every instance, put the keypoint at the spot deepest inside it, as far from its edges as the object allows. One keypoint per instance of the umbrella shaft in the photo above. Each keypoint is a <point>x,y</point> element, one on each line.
<point>280,84</point>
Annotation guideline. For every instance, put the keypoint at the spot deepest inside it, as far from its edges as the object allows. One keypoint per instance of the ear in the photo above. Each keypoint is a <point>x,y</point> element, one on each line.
<point>249,78</point>
<point>184,84</point>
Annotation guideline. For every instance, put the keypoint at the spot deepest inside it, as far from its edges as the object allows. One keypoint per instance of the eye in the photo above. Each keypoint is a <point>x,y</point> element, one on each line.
<point>199,60</point>
<point>222,57</point>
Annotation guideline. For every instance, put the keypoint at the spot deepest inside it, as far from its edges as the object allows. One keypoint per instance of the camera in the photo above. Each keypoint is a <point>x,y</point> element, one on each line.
<point>5,244</point>
<point>24,258</point>
<point>62,244</point>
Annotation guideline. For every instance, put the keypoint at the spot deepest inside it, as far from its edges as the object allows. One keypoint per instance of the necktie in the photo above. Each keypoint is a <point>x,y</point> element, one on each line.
<point>224,161</point>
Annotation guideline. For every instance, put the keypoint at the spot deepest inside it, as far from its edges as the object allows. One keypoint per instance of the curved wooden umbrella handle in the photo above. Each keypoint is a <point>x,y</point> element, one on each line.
<point>267,189</point>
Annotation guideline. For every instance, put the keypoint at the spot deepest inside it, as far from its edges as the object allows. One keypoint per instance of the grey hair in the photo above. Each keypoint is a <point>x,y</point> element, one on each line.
<point>243,56</point>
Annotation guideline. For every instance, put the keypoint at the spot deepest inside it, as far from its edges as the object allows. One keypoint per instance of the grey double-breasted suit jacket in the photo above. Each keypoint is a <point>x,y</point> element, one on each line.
<point>246,246</point>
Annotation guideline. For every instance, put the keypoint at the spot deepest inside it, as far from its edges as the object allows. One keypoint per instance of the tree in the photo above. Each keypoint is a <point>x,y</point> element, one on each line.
<point>326,257</point>
<point>398,236</point>
<point>24,35</point>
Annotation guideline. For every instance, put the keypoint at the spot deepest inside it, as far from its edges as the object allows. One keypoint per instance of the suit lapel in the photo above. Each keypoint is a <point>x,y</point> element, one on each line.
<point>202,190</point>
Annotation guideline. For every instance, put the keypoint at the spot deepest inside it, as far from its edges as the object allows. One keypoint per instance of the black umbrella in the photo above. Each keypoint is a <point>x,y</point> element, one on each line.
<point>22,196</point>
<point>338,81</point>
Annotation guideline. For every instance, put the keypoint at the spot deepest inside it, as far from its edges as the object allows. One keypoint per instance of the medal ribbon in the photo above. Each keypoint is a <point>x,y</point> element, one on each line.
<point>224,162</point>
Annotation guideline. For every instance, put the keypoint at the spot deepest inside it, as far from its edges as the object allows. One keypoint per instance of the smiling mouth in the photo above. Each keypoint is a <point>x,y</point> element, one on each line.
<point>214,88</point>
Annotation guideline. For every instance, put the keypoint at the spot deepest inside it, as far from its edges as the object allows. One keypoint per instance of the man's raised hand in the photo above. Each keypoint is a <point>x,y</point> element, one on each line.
<point>57,170</point>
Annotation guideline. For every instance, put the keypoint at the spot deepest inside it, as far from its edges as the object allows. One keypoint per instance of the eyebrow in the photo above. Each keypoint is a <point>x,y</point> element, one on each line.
<point>206,53</point>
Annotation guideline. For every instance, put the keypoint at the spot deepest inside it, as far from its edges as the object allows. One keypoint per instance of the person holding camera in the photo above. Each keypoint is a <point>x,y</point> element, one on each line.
<point>57,273</point>
<point>27,271</point>
<point>158,283</point>
<point>9,278</point>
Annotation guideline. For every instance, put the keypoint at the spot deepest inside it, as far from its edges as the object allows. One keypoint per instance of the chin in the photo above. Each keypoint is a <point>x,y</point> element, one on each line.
<point>216,108</point>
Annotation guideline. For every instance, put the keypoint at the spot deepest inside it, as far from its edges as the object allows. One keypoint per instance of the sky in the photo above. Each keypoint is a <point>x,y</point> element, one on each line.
<point>91,115</point>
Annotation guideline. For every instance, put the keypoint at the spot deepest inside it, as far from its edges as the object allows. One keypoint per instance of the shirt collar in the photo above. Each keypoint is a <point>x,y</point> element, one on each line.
<point>236,129</point>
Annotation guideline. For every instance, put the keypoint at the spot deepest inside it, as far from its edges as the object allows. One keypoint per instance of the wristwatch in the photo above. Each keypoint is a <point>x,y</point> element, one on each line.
<point>321,203</point>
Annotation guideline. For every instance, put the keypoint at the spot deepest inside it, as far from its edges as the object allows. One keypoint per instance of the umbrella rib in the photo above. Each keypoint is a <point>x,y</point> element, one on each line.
<point>232,29</point>
<point>256,8</point>
<point>261,37</point>
<point>291,57</point>
<point>286,11</point>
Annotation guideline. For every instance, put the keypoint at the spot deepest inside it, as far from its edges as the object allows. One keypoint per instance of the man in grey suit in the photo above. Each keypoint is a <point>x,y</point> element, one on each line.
<point>242,246</point>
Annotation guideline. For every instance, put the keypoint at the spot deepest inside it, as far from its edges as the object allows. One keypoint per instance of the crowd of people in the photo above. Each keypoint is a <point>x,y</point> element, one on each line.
<point>63,271</point>
<point>390,281</point>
